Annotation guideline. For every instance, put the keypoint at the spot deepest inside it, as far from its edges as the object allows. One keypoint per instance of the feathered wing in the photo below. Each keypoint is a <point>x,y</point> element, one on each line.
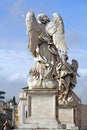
<point>55,28</point>
<point>33,31</point>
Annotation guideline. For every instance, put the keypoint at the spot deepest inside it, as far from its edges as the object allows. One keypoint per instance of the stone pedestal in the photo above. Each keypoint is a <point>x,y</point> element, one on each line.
<point>42,109</point>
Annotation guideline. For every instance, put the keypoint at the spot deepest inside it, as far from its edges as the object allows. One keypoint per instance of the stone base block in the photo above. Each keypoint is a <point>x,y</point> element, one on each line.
<point>42,109</point>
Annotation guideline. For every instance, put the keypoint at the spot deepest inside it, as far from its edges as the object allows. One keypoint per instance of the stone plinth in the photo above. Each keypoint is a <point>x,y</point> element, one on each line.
<point>42,109</point>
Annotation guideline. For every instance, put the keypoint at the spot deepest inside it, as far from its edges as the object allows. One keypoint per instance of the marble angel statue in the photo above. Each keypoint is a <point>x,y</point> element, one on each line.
<point>46,39</point>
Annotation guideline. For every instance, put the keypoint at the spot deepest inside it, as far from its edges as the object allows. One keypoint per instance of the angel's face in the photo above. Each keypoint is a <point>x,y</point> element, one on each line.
<point>64,58</point>
<point>43,19</point>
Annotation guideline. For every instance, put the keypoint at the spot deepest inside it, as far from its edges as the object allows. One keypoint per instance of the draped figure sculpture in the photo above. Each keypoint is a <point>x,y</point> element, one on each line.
<point>46,40</point>
<point>66,76</point>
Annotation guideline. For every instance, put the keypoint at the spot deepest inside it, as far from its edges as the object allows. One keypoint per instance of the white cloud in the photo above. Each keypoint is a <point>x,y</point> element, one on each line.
<point>13,87</point>
<point>17,7</point>
<point>16,76</point>
<point>83,72</point>
<point>15,63</point>
<point>14,67</point>
<point>81,88</point>
<point>73,38</point>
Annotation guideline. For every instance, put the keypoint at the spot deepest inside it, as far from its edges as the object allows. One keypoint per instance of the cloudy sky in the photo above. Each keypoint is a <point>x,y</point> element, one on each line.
<point>15,58</point>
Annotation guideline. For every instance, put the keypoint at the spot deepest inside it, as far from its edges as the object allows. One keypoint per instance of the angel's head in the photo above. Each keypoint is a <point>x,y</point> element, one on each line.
<point>42,18</point>
<point>64,57</point>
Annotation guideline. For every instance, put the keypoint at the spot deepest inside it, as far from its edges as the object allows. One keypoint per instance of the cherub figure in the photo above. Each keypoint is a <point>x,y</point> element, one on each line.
<point>66,76</point>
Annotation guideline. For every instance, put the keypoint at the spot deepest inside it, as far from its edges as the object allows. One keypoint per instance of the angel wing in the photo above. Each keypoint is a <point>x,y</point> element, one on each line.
<point>33,31</point>
<point>55,28</point>
<point>74,65</point>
